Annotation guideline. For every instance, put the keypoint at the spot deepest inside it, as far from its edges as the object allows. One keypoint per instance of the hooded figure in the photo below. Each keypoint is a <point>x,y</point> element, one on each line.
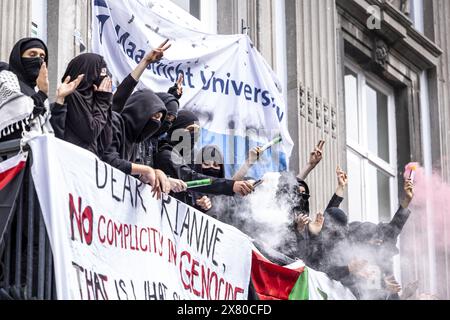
<point>86,117</point>
<point>380,239</point>
<point>133,126</point>
<point>26,70</point>
<point>172,162</point>
<point>326,249</point>
<point>148,149</point>
<point>172,105</point>
<point>210,153</point>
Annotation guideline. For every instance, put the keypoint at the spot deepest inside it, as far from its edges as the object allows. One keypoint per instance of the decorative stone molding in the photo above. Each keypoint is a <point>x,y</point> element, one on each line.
<point>333,122</point>
<point>302,100</point>
<point>403,5</point>
<point>326,118</point>
<point>380,54</point>
<point>310,106</point>
<point>318,112</point>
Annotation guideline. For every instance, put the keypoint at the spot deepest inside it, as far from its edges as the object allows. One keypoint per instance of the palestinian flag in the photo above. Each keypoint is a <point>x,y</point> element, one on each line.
<point>293,282</point>
<point>11,177</point>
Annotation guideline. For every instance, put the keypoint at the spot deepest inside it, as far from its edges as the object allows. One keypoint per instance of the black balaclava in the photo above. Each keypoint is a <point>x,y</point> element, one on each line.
<point>137,115</point>
<point>91,65</point>
<point>185,119</point>
<point>27,69</point>
<point>172,105</point>
<point>210,153</point>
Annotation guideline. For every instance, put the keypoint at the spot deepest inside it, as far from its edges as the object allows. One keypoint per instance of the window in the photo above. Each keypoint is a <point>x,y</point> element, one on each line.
<point>201,14</point>
<point>371,147</point>
<point>191,6</point>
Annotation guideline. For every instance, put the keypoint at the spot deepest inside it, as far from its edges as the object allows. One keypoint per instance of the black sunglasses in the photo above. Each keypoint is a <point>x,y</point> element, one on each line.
<point>305,196</point>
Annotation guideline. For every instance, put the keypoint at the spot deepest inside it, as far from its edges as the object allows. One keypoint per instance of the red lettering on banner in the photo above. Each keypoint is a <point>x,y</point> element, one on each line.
<point>140,241</point>
<point>172,252</point>
<point>81,219</point>
<point>102,239</point>
<point>117,231</point>
<point>212,286</point>
<point>126,233</point>
<point>194,275</point>
<point>186,285</point>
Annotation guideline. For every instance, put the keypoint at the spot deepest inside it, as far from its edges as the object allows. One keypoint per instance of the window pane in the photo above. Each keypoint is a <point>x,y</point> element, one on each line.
<point>182,3</point>
<point>378,195</point>
<point>384,196</point>
<point>351,105</point>
<point>195,8</point>
<point>354,187</point>
<point>377,123</point>
<point>191,6</point>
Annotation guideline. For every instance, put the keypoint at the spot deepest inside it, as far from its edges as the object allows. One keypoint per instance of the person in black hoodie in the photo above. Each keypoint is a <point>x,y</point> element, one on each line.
<point>377,244</point>
<point>210,162</point>
<point>84,117</point>
<point>28,61</point>
<point>147,150</point>
<point>139,120</point>
<point>177,159</point>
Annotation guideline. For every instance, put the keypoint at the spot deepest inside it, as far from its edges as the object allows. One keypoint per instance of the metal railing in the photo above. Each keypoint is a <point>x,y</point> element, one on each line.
<point>26,261</point>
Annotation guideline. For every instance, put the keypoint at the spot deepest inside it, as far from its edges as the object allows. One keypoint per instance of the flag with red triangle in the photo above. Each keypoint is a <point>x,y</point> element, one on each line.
<point>294,282</point>
<point>11,177</point>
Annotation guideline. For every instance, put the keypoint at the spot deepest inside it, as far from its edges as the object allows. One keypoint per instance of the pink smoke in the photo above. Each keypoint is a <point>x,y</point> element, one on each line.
<point>434,192</point>
<point>430,219</point>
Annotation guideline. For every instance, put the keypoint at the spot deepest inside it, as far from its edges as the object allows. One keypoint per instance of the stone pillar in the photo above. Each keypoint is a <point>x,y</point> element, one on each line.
<point>437,20</point>
<point>312,91</point>
<point>15,23</point>
<point>68,22</point>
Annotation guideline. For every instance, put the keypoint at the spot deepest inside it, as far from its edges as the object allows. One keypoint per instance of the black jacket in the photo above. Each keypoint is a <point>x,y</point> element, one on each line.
<point>123,93</point>
<point>131,127</point>
<point>304,245</point>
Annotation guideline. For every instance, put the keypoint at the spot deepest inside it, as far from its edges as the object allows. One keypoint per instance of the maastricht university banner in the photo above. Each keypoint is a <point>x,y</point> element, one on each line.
<point>112,240</point>
<point>227,82</point>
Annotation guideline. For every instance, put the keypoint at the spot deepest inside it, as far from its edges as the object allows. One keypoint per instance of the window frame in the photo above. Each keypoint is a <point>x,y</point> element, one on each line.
<point>361,148</point>
<point>208,15</point>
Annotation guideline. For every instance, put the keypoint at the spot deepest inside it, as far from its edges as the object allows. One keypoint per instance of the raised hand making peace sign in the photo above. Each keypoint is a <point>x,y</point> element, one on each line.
<point>317,155</point>
<point>156,54</point>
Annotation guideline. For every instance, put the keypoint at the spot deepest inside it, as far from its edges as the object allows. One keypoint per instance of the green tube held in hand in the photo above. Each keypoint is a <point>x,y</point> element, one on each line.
<point>271,143</point>
<point>199,183</point>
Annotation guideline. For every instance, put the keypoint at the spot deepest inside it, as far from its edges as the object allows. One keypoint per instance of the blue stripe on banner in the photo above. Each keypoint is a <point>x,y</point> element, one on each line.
<point>235,150</point>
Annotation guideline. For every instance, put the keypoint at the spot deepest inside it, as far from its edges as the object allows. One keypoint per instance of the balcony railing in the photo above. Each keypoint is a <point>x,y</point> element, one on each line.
<point>26,261</point>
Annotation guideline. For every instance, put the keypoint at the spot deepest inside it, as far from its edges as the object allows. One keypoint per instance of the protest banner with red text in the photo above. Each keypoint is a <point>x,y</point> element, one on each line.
<point>112,240</point>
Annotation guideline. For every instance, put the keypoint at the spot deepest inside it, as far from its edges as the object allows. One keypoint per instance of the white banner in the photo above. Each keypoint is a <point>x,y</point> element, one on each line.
<point>111,240</point>
<point>228,84</point>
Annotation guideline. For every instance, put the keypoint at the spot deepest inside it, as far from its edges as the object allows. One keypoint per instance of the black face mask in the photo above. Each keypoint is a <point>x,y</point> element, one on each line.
<point>32,67</point>
<point>105,73</point>
<point>303,203</point>
<point>165,127</point>
<point>149,130</point>
<point>211,172</point>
